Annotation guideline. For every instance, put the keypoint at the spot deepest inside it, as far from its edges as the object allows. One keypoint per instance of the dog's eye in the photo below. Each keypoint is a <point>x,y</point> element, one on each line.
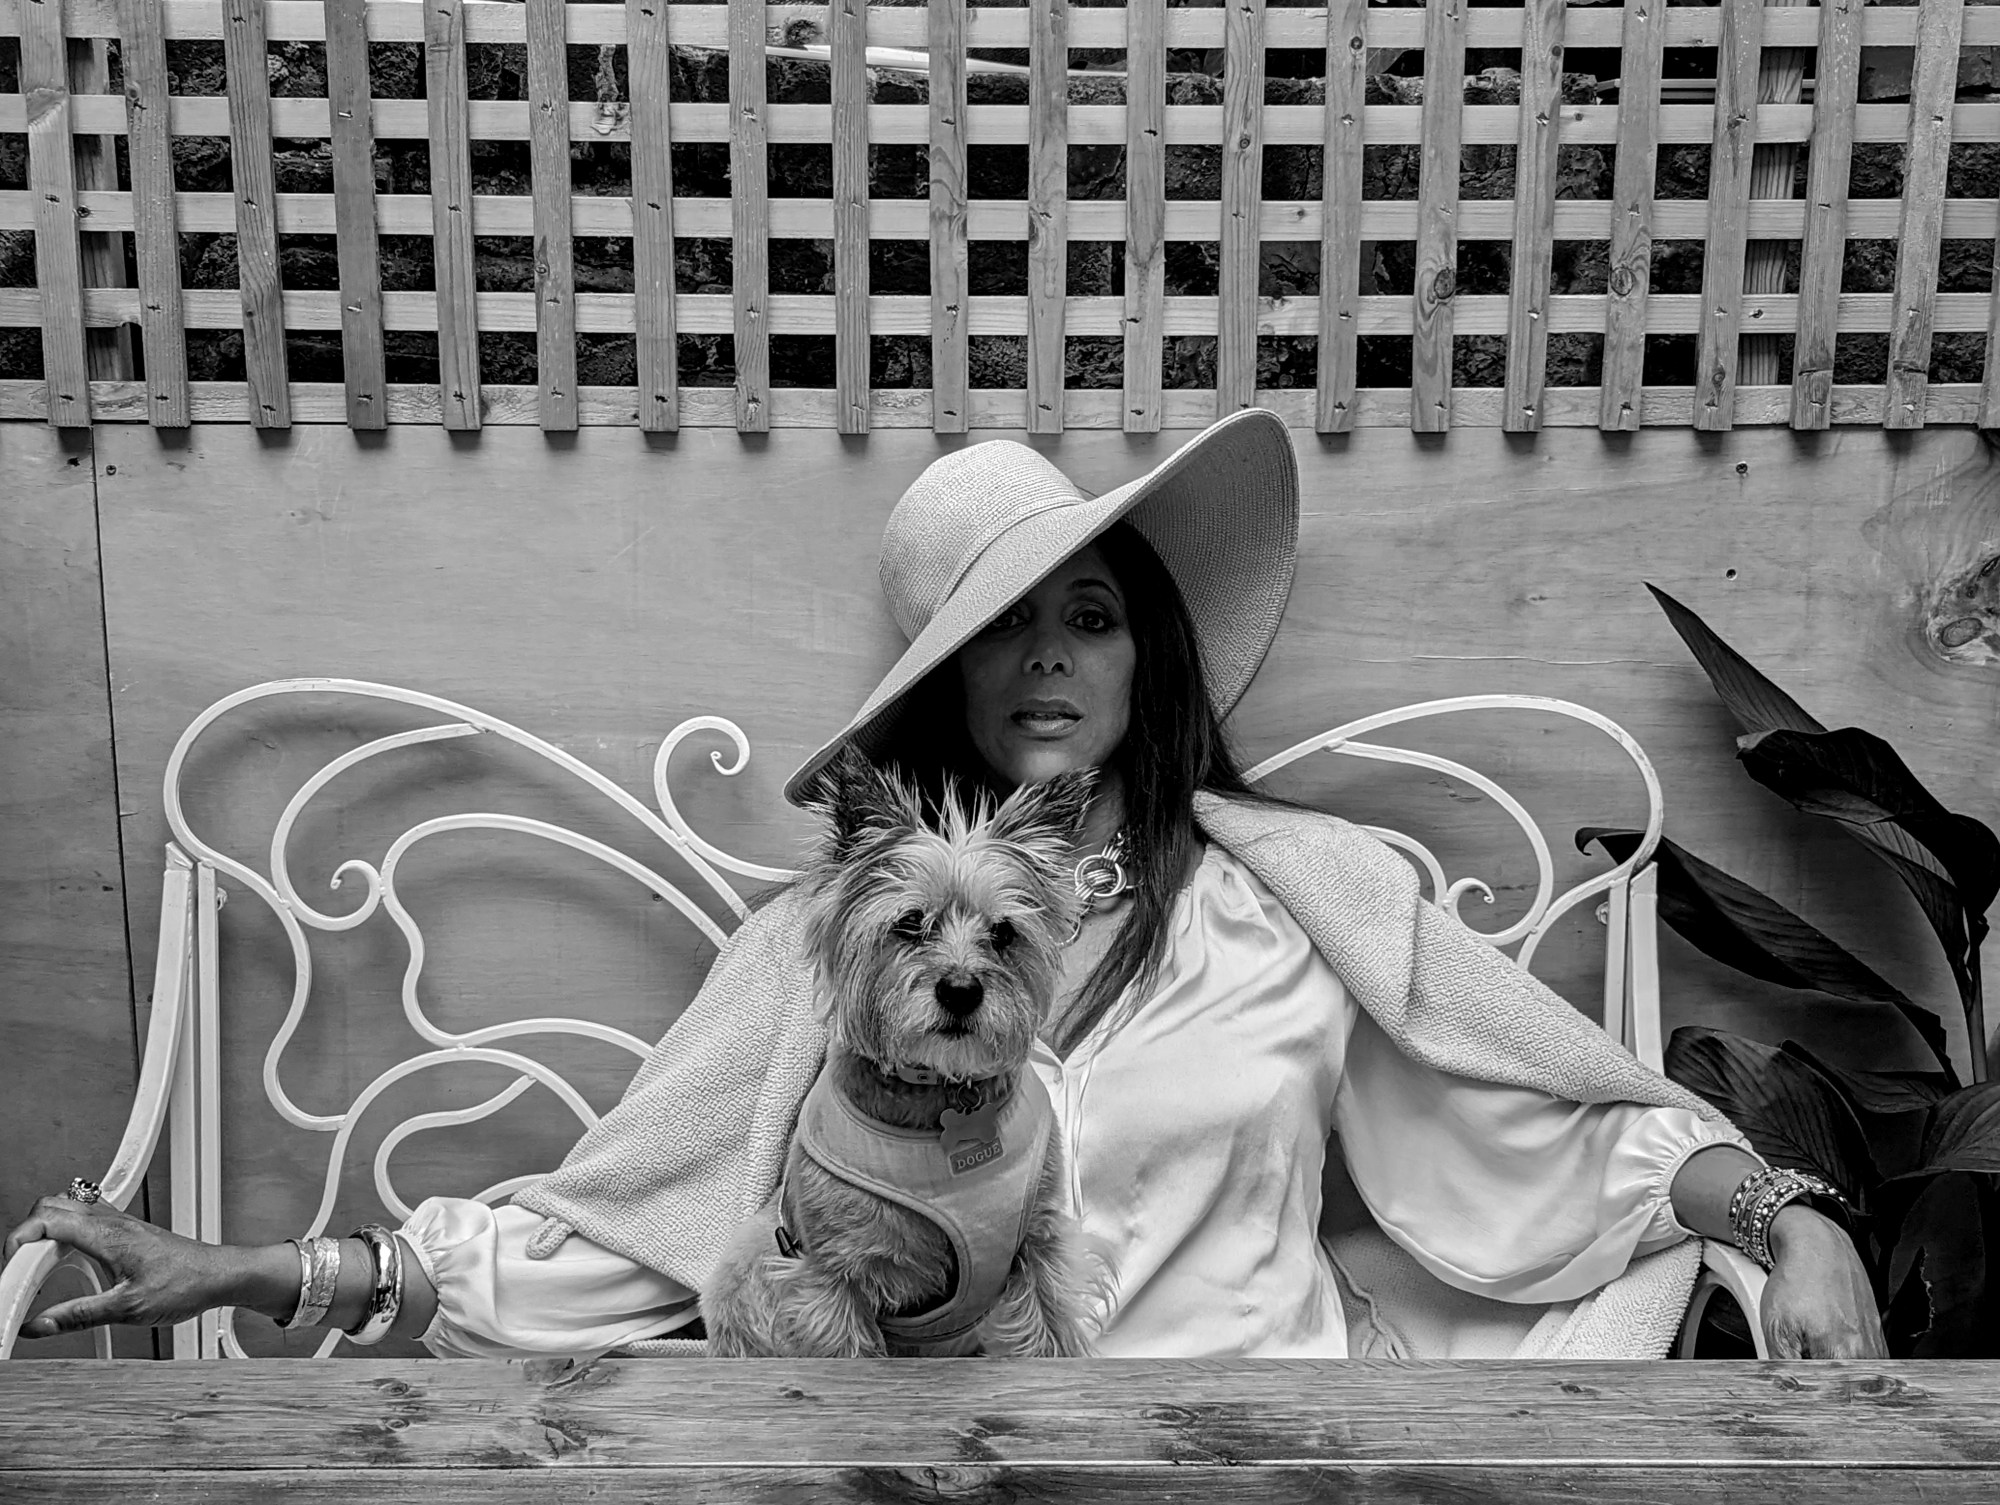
<point>909,925</point>
<point>1002,934</point>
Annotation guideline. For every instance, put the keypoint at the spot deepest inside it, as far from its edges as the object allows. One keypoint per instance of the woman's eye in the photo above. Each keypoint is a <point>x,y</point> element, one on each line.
<point>1012,617</point>
<point>1093,619</point>
<point>909,925</point>
<point>1002,934</point>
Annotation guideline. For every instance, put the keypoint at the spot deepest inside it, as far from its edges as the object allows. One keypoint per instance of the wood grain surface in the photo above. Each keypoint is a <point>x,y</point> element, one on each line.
<point>452,215</point>
<point>246,54</point>
<point>1824,244</point>
<point>1731,156</point>
<point>945,220</point>
<point>1534,215</point>
<point>52,183</point>
<point>1145,212</point>
<point>1048,210</point>
<point>1631,247</point>
<point>980,1420</point>
<point>67,1054</point>
<point>1241,189</point>
<point>1926,161</point>
<point>155,245</point>
<point>555,253</point>
<point>362,361</point>
<point>1437,217</point>
<point>653,217</point>
<point>599,593</point>
<point>1341,216</point>
<point>750,215</point>
<point>850,213</point>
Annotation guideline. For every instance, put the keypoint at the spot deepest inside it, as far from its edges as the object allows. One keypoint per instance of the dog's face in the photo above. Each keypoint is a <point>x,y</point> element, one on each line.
<point>938,943</point>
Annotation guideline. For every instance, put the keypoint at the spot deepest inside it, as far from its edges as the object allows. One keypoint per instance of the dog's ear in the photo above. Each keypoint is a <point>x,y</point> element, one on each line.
<point>855,797</point>
<point>1051,812</point>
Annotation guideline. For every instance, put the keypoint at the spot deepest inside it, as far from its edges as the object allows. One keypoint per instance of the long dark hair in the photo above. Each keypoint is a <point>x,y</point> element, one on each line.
<point>1174,745</point>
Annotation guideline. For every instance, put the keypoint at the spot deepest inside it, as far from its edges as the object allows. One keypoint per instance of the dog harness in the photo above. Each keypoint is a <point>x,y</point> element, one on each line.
<point>976,1181</point>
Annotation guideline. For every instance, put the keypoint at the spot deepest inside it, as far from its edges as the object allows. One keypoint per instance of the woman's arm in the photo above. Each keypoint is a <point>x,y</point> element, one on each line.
<point>1818,1303</point>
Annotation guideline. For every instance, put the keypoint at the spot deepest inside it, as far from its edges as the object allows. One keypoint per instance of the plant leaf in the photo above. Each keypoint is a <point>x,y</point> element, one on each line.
<point>1949,862</point>
<point>1756,703</point>
<point>1881,1092</point>
<point>1963,1133</point>
<point>1791,1114</point>
<point>1943,1244</point>
<point>1740,927</point>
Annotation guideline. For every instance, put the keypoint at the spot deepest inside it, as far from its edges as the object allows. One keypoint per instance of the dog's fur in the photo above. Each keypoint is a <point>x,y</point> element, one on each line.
<point>900,906</point>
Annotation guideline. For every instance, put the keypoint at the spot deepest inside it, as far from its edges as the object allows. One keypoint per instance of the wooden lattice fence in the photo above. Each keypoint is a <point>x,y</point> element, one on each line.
<point>1785,115</point>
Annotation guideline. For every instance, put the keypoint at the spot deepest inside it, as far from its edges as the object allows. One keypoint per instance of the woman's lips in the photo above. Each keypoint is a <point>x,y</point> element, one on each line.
<point>1047,720</point>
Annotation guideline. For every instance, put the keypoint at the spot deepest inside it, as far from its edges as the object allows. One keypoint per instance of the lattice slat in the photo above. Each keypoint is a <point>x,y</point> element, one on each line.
<point>1786,74</point>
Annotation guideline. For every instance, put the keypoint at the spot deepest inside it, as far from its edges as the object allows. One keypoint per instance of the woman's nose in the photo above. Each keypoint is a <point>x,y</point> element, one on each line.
<point>1048,656</point>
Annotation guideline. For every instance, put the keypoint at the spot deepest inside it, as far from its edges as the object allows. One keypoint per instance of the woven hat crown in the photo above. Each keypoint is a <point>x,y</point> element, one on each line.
<point>952,513</point>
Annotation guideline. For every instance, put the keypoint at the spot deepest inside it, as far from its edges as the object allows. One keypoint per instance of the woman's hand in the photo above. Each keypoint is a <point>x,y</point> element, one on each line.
<point>159,1277</point>
<point>1818,1303</point>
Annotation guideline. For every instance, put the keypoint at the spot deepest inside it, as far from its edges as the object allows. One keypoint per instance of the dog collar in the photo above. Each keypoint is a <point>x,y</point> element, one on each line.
<point>966,1092</point>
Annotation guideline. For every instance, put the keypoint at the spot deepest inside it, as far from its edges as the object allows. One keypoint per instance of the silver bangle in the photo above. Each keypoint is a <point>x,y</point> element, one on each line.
<point>1762,1196</point>
<point>385,1296</point>
<point>319,1277</point>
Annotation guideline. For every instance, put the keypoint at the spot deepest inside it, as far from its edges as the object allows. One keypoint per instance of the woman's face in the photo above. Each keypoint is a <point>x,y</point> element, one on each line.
<point>1048,684</point>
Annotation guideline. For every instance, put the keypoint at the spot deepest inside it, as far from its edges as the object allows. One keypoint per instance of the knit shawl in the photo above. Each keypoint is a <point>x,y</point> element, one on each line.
<point>699,1140</point>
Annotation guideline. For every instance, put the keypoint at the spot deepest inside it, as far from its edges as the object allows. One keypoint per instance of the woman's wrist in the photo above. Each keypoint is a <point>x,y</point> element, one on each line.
<point>1798,1225</point>
<point>265,1278</point>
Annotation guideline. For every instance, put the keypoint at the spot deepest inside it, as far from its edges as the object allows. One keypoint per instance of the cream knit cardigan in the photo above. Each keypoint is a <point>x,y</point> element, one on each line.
<point>699,1139</point>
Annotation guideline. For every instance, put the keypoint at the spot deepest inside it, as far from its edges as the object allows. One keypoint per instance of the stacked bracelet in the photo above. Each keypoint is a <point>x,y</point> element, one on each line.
<point>385,1294</point>
<point>1763,1194</point>
<point>319,1274</point>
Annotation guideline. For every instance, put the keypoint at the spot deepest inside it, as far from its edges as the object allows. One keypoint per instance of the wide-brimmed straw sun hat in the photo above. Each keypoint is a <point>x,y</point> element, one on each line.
<point>982,526</point>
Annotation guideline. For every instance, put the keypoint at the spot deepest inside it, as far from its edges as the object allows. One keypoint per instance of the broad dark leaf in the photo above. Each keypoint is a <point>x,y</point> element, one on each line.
<point>1949,862</point>
<point>1886,1092</point>
<point>1791,1114</point>
<point>1963,1133</point>
<point>1942,1244</point>
<point>1756,703</point>
<point>1740,927</point>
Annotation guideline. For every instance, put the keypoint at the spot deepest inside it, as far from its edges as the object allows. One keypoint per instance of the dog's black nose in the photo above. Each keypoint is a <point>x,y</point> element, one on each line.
<point>959,999</point>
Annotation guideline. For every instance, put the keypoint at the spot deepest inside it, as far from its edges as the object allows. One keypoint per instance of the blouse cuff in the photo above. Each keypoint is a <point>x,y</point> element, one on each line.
<point>493,1301</point>
<point>1663,1139</point>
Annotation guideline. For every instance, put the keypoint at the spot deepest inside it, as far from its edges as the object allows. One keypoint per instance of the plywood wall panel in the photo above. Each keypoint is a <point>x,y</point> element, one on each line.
<point>599,590</point>
<point>67,1061</point>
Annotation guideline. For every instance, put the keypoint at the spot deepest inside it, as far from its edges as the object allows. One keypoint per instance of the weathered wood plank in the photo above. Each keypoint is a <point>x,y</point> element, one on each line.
<point>653,216</point>
<point>1773,167</point>
<point>452,214</point>
<point>1147,1415</point>
<point>750,247</point>
<point>362,360</point>
<point>850,212</point>
<point>156,252</point>
<point>1730,159</point>
<point>1630,255</point>
<point>1242,187</point>
<point>1341,217</point>
<point>1534,215</point>
<point>1048,209</point>
<point>555,259</point>
<point>866,1483</point>
<point>945,219</point>
<point>1437,216</point>
<point>1823,248</point>
<point>102,253</point>
<point>1145,211</point>
<point>1926,161</point>
<point>52,181</point>
<point>246,59</point>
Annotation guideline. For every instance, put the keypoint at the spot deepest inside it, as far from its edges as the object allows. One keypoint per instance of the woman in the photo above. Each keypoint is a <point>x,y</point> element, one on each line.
<point>1308,1114</point>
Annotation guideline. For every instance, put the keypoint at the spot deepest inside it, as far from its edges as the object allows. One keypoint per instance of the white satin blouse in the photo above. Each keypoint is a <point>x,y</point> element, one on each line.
<point>1198,1125</point>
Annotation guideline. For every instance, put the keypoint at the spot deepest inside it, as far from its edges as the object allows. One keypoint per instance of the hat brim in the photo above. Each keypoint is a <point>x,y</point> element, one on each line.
<point>1222,513</point>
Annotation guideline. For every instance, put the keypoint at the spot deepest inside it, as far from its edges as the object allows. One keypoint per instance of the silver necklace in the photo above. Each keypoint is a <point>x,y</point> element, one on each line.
<point>1100,876</point>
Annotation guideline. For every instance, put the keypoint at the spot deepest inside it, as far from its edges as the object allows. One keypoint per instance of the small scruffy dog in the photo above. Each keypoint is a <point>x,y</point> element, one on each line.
<point>920,1211</point>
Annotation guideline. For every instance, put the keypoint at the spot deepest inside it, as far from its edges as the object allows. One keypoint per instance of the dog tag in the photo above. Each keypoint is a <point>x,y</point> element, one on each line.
<point>971,1139</point>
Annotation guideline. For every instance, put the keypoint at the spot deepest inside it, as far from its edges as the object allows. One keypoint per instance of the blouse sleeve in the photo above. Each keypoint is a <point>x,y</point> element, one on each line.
<point>1505,1191</point>
<point>496,1303</point>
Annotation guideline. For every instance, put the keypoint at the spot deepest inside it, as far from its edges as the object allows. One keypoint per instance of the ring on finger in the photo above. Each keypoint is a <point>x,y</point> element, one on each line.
<point>83,1190</point>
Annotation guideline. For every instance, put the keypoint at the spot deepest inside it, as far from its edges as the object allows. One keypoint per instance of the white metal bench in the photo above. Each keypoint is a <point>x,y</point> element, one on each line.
<point>179,1089</point>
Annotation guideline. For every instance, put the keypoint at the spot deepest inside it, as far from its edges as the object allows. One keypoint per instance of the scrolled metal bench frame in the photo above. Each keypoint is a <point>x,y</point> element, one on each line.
<point>179,1079</point>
